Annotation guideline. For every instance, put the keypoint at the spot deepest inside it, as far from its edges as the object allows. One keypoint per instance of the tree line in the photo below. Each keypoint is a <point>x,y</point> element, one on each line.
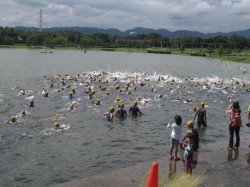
<point>69,38</point>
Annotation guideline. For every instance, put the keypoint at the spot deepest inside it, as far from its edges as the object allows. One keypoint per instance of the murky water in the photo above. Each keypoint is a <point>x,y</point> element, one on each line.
<point>34,154</point>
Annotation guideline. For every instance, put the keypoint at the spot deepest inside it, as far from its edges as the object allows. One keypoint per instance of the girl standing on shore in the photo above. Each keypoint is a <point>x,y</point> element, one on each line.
<point>234,124</point>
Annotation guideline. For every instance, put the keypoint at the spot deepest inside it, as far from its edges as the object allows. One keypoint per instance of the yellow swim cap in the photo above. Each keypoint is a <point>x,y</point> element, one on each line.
<point>107,93</point>
<point>56,125</point>
<point>112,109</point>
<point>13,118</point>
<point>202,104</point>
<point>73,89</point>
<point>135,102</point>
<point>190,123</point>
<point>23,112</point>
<point>70,93</point>
<point>98,101</point>
<point>57,115</point>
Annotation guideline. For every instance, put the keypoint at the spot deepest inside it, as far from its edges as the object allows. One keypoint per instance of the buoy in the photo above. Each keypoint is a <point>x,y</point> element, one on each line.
<point>153,176</point>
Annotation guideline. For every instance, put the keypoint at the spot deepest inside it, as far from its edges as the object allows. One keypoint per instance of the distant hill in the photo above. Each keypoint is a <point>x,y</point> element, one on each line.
<point>138,30</point>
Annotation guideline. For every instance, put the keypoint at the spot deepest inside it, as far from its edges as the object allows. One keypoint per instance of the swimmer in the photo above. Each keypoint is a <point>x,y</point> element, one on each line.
<point>134,110</point>
<point>57,126</point>
<point>98,102</point>
<point>71,107</point>
<point>13,119</point>
<point>201,116</point>
<point>110,114</point>
<point>70,96</point>
<point>31,103</point>
<point>121,112</point>
<point>58,116</point>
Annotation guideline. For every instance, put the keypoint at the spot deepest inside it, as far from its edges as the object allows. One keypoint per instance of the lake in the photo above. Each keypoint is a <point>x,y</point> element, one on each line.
<point>34,154</point>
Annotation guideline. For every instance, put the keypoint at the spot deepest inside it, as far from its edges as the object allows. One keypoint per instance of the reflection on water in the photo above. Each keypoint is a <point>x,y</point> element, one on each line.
<point>167,84</point>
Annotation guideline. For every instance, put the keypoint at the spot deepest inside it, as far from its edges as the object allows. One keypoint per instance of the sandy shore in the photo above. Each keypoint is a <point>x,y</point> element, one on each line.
<point>213,161</point>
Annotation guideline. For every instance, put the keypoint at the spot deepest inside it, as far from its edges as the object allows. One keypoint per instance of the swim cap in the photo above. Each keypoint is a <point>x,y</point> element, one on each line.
<point>70,93</point>
<point>190,123</point>
<point>135,102</point>
<point>98,101</point>
<point>57,115</point>
<point>107,93</point>
<point>13,118</point>
<point>23,112</point>
<point>121,104</point>
<point>56,125</point>
<point>73,89</point>
<point>112,109</point>
<point>202,104</point>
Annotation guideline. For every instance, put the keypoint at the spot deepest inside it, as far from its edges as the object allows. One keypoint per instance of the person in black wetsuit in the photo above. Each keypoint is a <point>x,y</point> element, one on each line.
<point>134,110</point>
<point>121,112</point>
<point>201,114</point>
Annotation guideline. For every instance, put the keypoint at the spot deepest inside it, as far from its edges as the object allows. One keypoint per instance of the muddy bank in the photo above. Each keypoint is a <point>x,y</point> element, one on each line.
<point>213,161</point>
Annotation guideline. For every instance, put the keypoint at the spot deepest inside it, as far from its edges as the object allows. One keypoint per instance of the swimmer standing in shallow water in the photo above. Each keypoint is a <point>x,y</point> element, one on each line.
<point>134,110</point>
<point>201,114</point>
<point>110,114</point>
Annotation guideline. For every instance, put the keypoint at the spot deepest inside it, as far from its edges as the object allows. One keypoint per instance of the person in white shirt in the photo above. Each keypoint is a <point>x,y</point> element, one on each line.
<point>176,135</point>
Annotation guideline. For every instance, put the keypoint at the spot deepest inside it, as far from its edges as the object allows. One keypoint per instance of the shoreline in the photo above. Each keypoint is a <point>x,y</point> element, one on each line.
<point>237,58</point>
<point>217,165</point>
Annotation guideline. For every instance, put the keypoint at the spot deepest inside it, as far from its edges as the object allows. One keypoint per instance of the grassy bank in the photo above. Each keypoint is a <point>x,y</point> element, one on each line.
<point>239,57</point>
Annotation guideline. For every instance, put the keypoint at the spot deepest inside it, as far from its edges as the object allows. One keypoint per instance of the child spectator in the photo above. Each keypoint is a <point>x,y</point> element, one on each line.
<point>175,123</point>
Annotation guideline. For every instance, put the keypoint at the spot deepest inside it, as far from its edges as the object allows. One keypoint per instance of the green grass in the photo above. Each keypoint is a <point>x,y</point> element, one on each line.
<point>178,181</point>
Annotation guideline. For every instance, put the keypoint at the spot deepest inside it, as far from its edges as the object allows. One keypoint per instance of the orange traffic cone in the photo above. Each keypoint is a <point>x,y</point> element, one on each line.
<point>153,176</point>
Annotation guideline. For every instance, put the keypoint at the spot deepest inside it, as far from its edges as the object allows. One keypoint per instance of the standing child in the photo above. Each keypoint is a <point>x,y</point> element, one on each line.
<point>188,154</point>
<point>175,123</point>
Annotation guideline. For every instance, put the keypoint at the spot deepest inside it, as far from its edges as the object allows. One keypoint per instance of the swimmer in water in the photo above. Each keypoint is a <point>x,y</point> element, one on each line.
<point>110,114</point>
<point>121,112</point>
<point>31,103</point>
<point>201,116</point>
<point>134,110</point>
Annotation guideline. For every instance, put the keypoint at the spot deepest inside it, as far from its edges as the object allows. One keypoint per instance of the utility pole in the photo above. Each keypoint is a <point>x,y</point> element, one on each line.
<point>41,21</point>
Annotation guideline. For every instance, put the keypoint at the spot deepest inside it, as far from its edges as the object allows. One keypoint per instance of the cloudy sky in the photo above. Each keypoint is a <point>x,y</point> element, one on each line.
<point>195,15</point>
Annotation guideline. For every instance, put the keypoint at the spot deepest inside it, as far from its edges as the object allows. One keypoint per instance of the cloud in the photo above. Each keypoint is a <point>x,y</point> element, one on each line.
<point>196,15</point>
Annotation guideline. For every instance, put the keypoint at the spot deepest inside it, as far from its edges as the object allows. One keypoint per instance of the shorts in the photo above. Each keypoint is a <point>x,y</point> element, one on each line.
<point>174,143</point>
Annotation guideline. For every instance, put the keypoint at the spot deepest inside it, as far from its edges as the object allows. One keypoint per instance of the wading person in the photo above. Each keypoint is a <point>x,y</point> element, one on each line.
<point>201,114</point>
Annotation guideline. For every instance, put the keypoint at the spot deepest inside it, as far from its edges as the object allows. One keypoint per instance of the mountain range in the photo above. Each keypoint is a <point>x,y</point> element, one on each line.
<point>138,30</point>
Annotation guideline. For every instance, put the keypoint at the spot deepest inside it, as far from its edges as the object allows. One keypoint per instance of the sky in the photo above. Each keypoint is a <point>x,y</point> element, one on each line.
<point>195,15</point>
